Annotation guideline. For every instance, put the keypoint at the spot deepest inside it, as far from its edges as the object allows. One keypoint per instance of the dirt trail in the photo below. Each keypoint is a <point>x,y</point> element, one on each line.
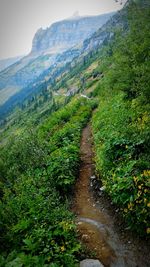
<point>95,226</point>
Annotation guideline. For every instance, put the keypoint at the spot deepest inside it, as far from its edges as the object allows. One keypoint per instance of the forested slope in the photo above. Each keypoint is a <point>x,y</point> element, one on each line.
<point>122,122</point>
<point>40,163</point>
<point>37,177</point>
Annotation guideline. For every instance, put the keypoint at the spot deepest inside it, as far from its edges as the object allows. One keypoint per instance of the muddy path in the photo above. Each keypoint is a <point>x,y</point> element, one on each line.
<point>97,228</point>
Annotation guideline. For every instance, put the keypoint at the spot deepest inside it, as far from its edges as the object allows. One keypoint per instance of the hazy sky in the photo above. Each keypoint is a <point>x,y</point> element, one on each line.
<point>20,19</point>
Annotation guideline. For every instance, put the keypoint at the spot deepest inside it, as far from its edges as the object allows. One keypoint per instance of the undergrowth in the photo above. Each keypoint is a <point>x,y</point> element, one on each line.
<point>121,124</point>
<point>38,172</point>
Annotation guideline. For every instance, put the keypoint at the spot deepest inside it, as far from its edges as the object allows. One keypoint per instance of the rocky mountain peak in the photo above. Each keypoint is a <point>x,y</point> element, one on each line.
<point>65,34</point>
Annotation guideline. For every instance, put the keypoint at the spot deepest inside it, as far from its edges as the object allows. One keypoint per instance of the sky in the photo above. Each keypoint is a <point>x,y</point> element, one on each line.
<point>20,19</point>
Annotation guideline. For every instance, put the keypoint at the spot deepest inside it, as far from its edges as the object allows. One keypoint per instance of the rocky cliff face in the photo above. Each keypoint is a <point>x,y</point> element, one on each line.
<point>51,47</point>
<point>65,34</point>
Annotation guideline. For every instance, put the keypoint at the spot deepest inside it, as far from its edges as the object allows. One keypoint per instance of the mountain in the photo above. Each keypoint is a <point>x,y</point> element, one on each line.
<point>4,63</point>
<point>61,63</point>
<point>47,47</point>
<point>65,34</point>
<point>40,164</point>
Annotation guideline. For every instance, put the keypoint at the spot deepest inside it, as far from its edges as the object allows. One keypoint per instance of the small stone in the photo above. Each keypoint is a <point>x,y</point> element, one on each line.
<point>79,223</point>
<point>85,237</point>
<point>103,188</point>
<point>93,177</point>
<point>91,263</point>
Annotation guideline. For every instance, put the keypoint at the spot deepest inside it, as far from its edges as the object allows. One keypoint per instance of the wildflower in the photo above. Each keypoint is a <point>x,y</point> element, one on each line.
<point>135,179</point>
<point>146,172</point>
<point>49,258</point>
<point>130,206</point>
<point>148,230</point>
<point>148,205</point>
<point>62,248</point>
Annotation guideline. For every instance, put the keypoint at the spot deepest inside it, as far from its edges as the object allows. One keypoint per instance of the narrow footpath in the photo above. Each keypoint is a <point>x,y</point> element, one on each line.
<point>96,227</point>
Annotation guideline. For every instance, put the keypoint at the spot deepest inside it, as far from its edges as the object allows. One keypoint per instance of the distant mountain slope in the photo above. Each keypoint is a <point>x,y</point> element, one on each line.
<point>5,63</point>
<point>46,49</point>
<point>29,78</point>
<point>65,34</point>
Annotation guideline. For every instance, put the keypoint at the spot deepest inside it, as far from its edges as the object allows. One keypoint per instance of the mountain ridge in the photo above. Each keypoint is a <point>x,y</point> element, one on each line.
<point>28,69</point>
<point>67,33</point>
<point>96,40</point>
<point>6,62</point>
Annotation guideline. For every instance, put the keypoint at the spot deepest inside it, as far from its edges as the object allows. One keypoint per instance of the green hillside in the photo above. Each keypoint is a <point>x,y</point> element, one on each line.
<point>40,143</point>
<point>122,123</point>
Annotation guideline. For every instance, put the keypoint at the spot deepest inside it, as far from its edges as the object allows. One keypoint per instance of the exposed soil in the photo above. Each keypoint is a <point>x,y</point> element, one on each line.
<point>97,225</point>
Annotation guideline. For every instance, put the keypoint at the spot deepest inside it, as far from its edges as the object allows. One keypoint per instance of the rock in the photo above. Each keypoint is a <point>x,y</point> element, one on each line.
<point>91,263</point>
<point>93,177</point>
<point>103,188</point>
<point>85,237</point>
<point>65,34</point>
<point>79,223</point>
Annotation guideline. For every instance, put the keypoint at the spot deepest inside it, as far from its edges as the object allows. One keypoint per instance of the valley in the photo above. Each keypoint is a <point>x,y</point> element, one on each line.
<point>74,158</point>
<point>52,48</point>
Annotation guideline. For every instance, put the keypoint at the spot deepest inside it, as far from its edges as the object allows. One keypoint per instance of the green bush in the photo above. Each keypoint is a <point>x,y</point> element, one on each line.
<point>121,124</point>
<point>37,228</point>
<point>121,135</point>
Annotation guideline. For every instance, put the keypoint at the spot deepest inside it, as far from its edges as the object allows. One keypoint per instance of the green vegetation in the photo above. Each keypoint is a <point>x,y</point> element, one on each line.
<point>38,171</point>
<point>122,123</point>
<point>40,162</point>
